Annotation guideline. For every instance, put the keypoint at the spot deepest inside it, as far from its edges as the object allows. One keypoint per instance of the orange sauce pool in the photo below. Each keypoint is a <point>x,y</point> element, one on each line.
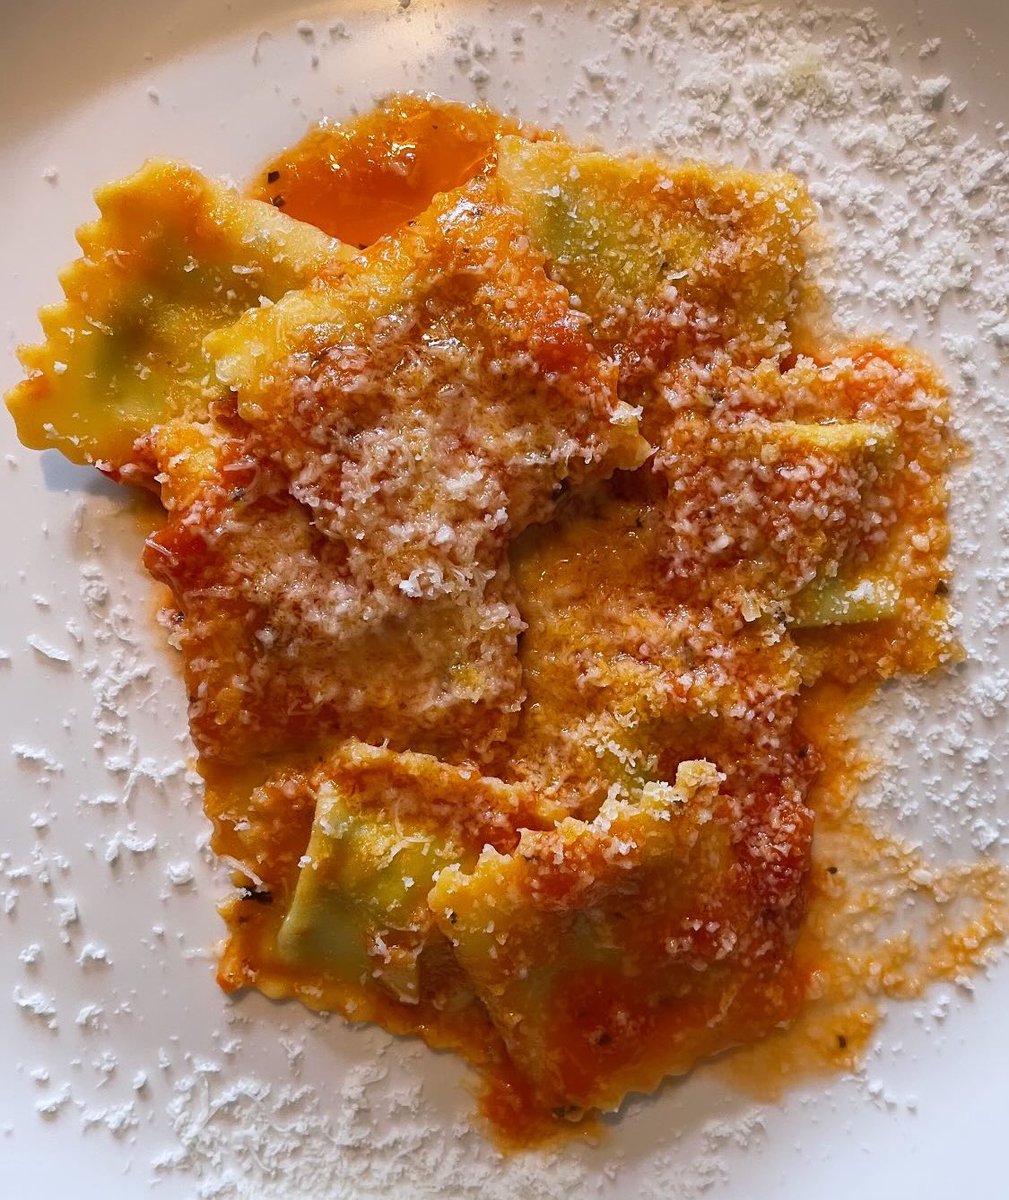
<point>358,187</point>
<point>884,923</point>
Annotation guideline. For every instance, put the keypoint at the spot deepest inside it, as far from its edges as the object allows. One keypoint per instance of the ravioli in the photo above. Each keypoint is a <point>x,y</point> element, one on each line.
<point>434,401</point>
<point>661,256</point>
<point>525,557</point>
<point>353,915</point>
<point>609,953</point>
<point>173,256</point>
<point>393,429</point>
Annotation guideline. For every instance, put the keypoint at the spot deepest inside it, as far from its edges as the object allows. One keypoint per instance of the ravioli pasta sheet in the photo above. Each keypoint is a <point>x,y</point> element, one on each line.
<point>173,257</point>
<point>521,526</point>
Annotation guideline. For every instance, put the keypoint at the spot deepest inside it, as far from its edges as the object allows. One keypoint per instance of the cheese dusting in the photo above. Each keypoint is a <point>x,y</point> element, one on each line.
<point>529,557</point>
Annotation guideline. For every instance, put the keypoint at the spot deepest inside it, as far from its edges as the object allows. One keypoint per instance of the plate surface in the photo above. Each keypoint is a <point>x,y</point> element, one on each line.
<point>125,1068</point>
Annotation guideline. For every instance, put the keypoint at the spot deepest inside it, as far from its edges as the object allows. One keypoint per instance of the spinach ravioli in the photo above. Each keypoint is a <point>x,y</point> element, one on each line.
<point>522,517</point>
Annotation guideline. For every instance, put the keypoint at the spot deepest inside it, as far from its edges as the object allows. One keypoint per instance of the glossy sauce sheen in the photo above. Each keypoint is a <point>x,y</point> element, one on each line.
<point>359,187</point>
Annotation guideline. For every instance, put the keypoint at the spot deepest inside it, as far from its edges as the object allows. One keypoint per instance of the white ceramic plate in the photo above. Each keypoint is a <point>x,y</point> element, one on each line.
<point>124,1068</point>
